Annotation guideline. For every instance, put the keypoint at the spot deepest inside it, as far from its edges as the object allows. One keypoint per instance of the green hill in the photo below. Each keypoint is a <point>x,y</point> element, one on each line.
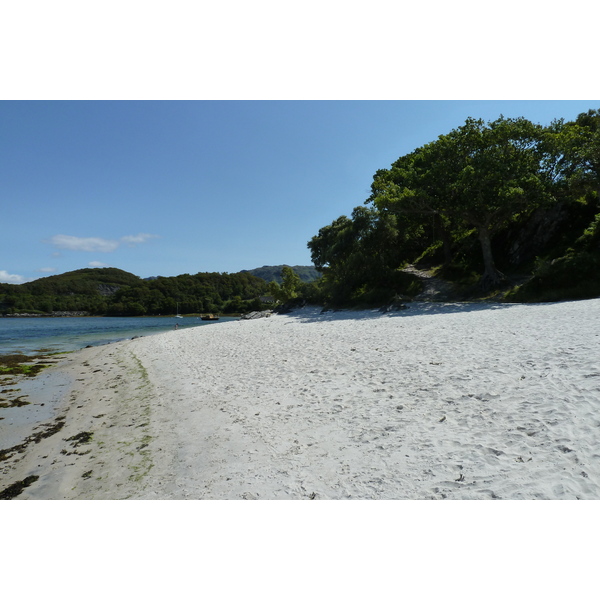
<point>112,291</point>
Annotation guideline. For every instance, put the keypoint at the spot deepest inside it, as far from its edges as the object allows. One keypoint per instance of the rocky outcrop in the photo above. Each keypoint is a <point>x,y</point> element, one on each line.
<point>108,290</point>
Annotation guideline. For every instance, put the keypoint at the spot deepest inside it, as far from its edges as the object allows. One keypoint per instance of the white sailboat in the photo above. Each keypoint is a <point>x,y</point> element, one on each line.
<point>178,316</point>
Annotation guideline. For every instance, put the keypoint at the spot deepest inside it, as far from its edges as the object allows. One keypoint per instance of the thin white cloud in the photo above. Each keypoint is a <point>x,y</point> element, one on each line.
<point>46,270</point>
<point>96,244</point>
<point>140,238</point>
<point>91,244</point>
<point>6,277</point>
<point>97,263</point>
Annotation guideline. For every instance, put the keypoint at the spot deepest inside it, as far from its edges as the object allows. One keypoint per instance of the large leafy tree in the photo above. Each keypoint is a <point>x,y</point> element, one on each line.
<point>331,250</point>
<point>359,253</point>
<point>481,174</point>
<point>576,146</point>
<point>572,152</point>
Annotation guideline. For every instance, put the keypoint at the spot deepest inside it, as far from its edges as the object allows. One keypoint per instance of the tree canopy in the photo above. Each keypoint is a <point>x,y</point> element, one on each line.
<point>484,184</point>
<point>479,174</point>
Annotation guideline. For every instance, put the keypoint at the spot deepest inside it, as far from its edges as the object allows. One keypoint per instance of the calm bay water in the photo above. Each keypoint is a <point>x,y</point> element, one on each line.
<point>30,335</point>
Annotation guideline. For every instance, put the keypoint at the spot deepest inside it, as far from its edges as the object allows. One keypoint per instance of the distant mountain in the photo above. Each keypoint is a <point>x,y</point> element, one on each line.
<point>306,274</point>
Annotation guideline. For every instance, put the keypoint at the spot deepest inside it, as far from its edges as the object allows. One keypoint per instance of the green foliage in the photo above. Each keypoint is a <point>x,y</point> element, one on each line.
<point>479,175</point>
<point>291,283</point>
<point>360,257</point>
<point>313,292</point>
<point>571,277</point>
<point>484,194</point>
<point>590,239</point>
<point>363,250</point>
<point>115,292</point>
<point>275,291</point>
<point>399,283</point>
<point>288,290</point>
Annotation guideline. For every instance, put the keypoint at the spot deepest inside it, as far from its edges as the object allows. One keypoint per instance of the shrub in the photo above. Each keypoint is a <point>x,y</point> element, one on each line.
<point>575,276</point>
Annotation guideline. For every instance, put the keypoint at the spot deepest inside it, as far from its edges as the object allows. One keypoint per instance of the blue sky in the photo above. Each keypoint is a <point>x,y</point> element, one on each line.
<point>172,187</point>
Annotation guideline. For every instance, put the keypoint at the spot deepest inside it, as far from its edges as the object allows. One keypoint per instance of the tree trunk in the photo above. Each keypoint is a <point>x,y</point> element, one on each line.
<point>491,277</point>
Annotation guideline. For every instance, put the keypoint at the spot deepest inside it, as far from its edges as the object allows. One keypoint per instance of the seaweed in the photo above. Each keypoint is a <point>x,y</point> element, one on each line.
<point>15,364</point>
<point>16,488</point>
<point>35,438</point>
<point>81,438</point>
<point>16,402</point>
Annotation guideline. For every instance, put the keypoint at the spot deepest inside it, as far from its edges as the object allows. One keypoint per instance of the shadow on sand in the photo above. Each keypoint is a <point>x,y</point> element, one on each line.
<point>315,314</point>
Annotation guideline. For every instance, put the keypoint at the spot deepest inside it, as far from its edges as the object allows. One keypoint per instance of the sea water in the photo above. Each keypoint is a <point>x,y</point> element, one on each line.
<point>41,335</point>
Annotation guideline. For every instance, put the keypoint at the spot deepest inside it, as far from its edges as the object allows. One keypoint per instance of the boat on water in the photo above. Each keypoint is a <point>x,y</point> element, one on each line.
<point>178,316</point>
<point>210,317</point>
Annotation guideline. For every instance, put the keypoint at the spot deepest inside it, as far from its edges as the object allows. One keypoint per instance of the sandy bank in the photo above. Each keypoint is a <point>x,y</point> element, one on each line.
<point>439,401</point>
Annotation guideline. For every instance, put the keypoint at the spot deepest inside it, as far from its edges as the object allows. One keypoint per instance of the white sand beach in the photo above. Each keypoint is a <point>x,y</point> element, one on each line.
<point>439,401</point>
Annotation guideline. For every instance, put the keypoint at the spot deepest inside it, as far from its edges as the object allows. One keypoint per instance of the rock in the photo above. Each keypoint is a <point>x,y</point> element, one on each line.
<point>256,314</point>
<point>290,305</point>
<point>395,306</point>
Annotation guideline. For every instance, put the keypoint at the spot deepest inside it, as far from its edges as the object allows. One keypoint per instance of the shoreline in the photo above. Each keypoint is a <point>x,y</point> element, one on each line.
<point>50,315</point>
<point>93,419</point>
<point>55,335</point>
<point>445,400</point>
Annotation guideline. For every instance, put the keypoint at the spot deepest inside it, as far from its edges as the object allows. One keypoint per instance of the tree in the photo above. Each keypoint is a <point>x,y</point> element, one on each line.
<point>572,152</point>
<point>580,146</point>
<point>481,174</point>
<point>361,255</point>
<point>289,285</point>
<point>331,249</point>
<point>291,282</point>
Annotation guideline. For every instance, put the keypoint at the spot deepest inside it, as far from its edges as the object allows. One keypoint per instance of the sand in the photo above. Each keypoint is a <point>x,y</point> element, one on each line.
<point>439,401</point>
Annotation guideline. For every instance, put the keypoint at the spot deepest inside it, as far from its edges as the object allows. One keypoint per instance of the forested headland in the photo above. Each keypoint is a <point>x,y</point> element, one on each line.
<point>507,209</point>
<point>109,291</point>
<point>113,292</point>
